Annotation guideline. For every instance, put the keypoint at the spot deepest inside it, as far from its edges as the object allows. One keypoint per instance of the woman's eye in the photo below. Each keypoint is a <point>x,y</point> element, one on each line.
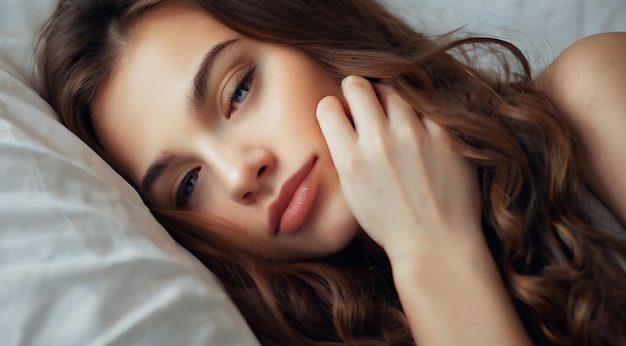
<point>186,189</point>
<point>240,93</point>
<point>242,88</point>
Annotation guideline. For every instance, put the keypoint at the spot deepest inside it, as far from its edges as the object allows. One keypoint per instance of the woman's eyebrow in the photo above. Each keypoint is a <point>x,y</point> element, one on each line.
<point>155,171</point>
<point>199,86</point>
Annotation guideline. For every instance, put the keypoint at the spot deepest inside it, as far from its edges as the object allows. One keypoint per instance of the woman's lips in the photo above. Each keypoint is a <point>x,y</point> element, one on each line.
<point>288,212</point>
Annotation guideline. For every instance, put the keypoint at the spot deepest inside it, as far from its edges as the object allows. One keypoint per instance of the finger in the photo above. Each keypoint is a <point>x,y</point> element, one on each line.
<point>367,112</point>
<point>402,117</point>
<point>435,131</point>
<point>336,128</point>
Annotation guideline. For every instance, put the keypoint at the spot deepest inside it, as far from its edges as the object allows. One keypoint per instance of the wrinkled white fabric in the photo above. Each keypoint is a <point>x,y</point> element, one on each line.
<point>541,28</point>
<point>82,261</point>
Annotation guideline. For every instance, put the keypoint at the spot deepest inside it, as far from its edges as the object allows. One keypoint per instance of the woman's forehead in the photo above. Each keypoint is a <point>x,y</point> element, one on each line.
<point>150,84</point>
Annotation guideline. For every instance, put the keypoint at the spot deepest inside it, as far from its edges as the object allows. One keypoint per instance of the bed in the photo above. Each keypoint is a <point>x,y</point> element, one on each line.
<point>83,262</point>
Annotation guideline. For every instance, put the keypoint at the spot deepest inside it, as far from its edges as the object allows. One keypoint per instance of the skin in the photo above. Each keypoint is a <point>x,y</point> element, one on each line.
<point>587,83</point>
<point>245,156</point>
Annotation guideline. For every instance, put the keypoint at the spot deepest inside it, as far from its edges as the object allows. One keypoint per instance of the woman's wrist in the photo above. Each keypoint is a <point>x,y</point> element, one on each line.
<point>426,247</point>
<point>453,294</point>
<point>439,265</point>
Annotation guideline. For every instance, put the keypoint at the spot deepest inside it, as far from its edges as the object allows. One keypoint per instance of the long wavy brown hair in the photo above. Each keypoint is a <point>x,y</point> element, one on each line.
<point>563,274</point>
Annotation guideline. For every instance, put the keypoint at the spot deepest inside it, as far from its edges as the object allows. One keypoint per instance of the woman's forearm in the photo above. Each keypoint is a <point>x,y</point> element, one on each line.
<point>457,298</point>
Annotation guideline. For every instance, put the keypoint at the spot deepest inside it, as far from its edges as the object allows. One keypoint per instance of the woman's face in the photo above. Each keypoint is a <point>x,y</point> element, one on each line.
<point>206,120</point>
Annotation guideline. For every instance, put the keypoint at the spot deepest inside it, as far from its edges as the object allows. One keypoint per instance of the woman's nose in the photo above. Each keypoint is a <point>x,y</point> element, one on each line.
<point>242,174</point>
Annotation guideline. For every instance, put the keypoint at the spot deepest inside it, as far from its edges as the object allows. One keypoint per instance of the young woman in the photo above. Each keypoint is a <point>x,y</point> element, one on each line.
<point>351,181</point>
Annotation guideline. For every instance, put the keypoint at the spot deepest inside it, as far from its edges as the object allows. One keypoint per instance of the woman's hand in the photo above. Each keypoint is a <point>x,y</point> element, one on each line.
<point>419,199</point>
<point>401,177</point>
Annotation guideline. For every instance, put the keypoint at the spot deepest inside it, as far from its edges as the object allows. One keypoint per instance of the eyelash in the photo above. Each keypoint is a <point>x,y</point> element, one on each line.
<point>243,77</point>
<point>182,197</point>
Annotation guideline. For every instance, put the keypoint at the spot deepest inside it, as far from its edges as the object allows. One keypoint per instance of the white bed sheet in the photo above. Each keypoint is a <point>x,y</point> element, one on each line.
<point>541,28</point>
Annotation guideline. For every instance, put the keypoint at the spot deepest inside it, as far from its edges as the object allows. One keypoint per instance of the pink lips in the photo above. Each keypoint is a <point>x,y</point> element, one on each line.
<point>287,213</point>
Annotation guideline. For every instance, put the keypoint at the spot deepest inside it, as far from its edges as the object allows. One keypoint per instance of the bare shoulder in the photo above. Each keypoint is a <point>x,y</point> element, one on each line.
<point>587,82</point>
<point>591,58</point>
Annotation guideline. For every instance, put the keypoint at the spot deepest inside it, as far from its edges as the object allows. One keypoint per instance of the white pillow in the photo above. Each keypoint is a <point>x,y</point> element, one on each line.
<point>82,260</point>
